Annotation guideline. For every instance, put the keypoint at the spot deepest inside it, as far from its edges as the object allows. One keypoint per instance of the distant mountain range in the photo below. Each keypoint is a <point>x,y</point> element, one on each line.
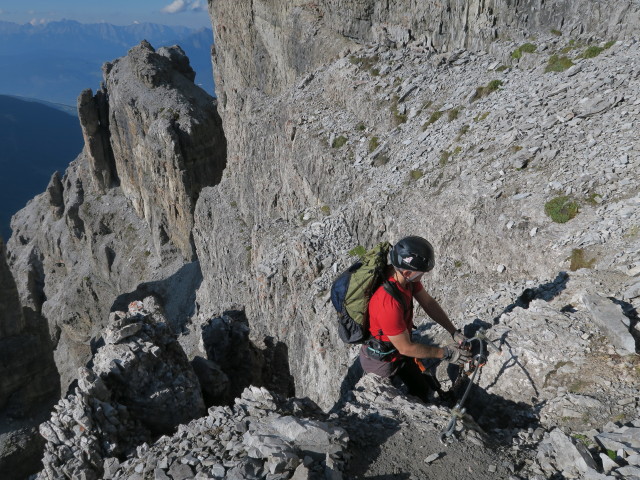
<point>57,60</point>
<point>37,139</point>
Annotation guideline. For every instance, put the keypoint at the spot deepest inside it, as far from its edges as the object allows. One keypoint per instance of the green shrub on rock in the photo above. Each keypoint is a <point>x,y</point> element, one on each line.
<point>579,260</point>
<point>339,141</point>
<point>480,92</point>
<point>416,174</point>
<point>561,209</point>
<point>558,64</point>
<point>525,48</point>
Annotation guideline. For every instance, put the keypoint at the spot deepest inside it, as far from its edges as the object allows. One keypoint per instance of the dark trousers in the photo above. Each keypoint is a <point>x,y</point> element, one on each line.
<point>404,368</point>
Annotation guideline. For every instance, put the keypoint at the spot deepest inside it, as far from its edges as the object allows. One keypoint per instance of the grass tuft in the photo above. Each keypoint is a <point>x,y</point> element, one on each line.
<point>374,143</point>
<point>416,174</point>
<point>446,155</point>
<point>381,160</point>
<point>561,209</point>
<point>339,142</point>
<point>453,113</point>
<point>480,117</point>
<point>481,92</point>
<point>592,51</point>
<point>358,251</point>
<point>462,131</point>
<point>579,260</point>
<point>366,63</point>
<point>632,232</point>
<point>524,48</point>
<point>397,116</point>
<point>594,199</point>
<point>435,116</point>
<point>558,64</point>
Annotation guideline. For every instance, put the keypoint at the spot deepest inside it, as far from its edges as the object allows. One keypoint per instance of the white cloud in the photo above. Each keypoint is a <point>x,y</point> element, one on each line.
<point>178,6</point>
<point>198,6</point>
<point>38,21</point>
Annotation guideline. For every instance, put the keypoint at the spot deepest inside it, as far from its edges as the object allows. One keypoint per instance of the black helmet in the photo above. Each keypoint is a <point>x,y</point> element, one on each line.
<point>412,253</point>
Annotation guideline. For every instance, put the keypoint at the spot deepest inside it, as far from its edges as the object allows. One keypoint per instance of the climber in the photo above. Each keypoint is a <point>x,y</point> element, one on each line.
<point>390,351</point>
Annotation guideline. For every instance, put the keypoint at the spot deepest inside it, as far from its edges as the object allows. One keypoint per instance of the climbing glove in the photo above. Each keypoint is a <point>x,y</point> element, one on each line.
<point>458,337</point>
<point>456,355</point>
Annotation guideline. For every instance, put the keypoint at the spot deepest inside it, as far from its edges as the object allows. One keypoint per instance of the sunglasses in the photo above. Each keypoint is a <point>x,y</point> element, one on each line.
<point>414,276</point>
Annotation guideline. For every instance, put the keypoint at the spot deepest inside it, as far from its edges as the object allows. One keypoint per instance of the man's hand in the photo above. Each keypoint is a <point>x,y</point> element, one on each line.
<point>456,355</point>
<point>459,338</point>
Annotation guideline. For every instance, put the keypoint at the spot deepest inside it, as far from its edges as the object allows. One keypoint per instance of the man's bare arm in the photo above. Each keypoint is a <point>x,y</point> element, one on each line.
<point>406,347</point>
<point>434,310</point>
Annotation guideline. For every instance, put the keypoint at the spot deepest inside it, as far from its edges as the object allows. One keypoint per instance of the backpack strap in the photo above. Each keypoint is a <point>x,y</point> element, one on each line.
<point>392,289</point>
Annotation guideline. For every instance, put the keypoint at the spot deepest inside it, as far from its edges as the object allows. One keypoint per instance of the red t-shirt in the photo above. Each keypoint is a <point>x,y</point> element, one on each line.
<point>386,315</point>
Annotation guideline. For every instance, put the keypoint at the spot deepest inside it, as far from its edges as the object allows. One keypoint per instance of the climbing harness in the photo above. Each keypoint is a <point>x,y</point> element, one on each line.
<point>477,362</point>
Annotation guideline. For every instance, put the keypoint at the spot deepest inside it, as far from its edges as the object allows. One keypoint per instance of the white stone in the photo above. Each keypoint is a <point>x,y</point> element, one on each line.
<point>570,456</point>
<point>607,463</point>
<point>609,317</point>
<point>433,457</point>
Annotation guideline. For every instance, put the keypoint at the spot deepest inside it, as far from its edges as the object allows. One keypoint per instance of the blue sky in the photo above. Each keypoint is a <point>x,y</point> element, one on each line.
<point>190,13</point>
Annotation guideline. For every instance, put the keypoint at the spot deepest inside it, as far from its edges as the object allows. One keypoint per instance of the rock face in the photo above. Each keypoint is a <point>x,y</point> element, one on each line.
<point>140,385</point>
<point>119,220</point>
<point>157,125</point>
<point>267,46</point>
<point>465,148</point>
<point>28,380</point>
<point>93,112</point>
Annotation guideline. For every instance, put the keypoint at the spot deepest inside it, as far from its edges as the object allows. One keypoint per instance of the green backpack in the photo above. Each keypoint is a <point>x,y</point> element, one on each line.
<point>352,290</point>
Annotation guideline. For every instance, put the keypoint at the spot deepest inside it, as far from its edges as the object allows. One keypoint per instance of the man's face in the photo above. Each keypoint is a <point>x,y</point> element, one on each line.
<point>412,276</point>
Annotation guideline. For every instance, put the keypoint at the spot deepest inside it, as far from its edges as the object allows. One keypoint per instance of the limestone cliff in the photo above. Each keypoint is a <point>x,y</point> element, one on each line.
<point>267,45</point>
<point>153,137</point>
<point>28,379</point>
<point>119,220</point>
<point>350,152</point>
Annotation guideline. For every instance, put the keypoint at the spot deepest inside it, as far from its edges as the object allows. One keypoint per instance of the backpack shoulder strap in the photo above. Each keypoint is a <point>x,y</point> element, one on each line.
<point>392,289</point>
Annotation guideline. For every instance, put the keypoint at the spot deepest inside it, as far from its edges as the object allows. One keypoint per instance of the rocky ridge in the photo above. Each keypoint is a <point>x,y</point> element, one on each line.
<point>260,436</point>
<point>119,219</point>
<point>140,385</point>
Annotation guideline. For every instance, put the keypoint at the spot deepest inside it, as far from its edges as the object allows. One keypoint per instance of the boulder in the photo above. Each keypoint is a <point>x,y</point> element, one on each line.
<point>567,455</point>
<point>139,386</point>
<point>612,321</point>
